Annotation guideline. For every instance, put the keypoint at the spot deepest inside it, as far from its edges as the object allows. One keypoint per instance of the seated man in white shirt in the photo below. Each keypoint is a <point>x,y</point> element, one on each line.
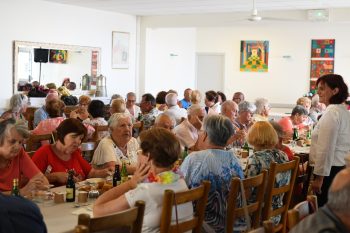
<point>173,109</point>
<point>187,132</point>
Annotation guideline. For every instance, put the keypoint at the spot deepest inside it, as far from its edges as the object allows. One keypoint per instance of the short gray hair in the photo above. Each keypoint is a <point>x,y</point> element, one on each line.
<point>245,106</point>
<point>17,102</point>
<point>7,125</point>
<point>339,200</point>
<point>171,99</point>
<point>171,117</point>
<point>260,104</point>
<point>116,117</point>
<point>219,129</point>
<point>299,109</point>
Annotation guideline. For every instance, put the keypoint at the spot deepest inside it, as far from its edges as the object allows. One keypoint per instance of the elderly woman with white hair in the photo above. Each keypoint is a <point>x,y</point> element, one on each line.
<point>215,164</point>
<point>18,106</point>
<point>119,146</point>
<point>262,110</point>
<point>245,115</point>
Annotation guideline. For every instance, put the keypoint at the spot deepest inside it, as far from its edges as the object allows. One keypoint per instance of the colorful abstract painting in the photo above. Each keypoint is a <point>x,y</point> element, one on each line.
<point>254,56</point>
<point>58,56</point>
<point>322,48</point>
<point>322,60</point>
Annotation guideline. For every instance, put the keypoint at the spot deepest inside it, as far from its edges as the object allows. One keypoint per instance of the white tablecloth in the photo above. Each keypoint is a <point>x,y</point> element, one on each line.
<point>62,217</point>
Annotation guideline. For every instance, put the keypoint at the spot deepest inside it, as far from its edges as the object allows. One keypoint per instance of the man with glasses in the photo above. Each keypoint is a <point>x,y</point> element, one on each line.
<point>238,97</point>
<point>149,110</point>
<point>245,115</point>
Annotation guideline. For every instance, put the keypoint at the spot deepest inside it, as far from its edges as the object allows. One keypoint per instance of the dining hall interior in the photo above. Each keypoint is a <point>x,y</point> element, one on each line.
<point>150,116</point>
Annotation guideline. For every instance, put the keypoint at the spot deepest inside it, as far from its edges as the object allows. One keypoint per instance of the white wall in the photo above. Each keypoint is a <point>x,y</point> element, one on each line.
<point>287,78</point>
<point>170,59</point>
<point>40,21</point>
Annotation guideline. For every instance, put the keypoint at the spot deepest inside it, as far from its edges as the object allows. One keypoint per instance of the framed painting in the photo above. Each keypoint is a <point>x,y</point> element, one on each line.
<point>120,50</point>
<point>58,56</point>
<point>254,56</point>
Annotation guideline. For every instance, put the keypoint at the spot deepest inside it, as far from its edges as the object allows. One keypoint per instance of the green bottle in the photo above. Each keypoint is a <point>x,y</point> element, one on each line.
<point>308,134</point>
<point>124,173</point>
<point>70,187</point>
<point>295,134</point>
<point>15,188</point>
<point>245,150</point>
<point>184,153</point>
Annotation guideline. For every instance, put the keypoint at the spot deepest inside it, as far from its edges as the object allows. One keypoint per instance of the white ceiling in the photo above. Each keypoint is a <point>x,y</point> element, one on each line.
<point>172,7</point>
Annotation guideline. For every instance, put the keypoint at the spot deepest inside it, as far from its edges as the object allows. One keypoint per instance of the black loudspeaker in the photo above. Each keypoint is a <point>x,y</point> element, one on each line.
<point>41,55</point>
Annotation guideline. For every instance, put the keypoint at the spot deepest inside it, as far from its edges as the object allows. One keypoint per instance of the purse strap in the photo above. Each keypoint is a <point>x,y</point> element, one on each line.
<point>245,207</point>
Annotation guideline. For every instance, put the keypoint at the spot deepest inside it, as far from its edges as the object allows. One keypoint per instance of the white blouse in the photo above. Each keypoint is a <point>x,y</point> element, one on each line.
<point>330,139</point>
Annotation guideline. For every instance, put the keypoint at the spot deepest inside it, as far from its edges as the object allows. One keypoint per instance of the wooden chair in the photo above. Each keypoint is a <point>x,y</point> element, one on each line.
<point>129,219</point>
<point>29,116</point>
<point>98,129</point>
<point>254,209</point>
<point>34,141</point>
<point>302,180</point>
<point>267,228</point>
<point>81,229</point>
<point>68,109</point>
<point>302,210</point>
<point>287,190</point>
<point>199,194</point>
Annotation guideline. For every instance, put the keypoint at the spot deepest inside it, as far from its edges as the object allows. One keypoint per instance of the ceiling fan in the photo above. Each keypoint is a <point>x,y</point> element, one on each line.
<point>256,17</point>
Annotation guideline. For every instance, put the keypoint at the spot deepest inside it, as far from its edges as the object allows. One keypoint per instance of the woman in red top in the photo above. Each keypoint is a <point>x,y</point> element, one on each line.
<point>14,161</point>
<point>56,159</point>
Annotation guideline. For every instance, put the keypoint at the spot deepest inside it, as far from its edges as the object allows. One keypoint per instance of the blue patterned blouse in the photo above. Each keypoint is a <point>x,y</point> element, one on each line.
<point>219,167</point>
<point>261,160</point>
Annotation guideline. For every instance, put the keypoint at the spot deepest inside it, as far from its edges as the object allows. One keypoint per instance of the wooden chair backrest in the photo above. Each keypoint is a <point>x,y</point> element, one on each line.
<point>267,228</point>
<point>81,229</point>
<point>29,115</point>
<point>68,109</point>
<point>254,209</point>
<point>302,210</point>
<point>98,129</point>
<point>34,141</point>
<point>131,218</point>
<point>287,190</point>
<point>199,194</point>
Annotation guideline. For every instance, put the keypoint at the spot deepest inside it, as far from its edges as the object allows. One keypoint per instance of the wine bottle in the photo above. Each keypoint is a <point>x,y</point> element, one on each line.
<point>124,173</point>
<point>245,150</point>
<point>295,134</point>
<point>116,176</point>
<point>184,153</point>
<point>70,187</point>
<point>15,188</point>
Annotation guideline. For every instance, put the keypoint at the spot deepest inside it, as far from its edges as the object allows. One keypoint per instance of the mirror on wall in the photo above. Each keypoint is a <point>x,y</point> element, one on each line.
<point>52,63</point>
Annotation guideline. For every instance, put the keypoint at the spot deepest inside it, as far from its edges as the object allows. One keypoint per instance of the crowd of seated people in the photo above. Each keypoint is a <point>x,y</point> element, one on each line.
<point>209,131</point>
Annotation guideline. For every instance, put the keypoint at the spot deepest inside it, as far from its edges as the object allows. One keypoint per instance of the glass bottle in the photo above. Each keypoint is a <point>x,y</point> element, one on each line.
<point>139,117</point>
<point>184,153</point>
<point>308,134</point>
<point>124,173</point>
<point>116,176</point>
<point>295,134</point>
<point>70,187</point>
<point>245,150</point>
<point>15,188</point>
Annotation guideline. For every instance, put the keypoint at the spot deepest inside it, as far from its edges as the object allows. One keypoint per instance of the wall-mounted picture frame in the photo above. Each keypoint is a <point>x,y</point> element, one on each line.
<point>254,56</point>
<point>120,50</point>
<point>58,56</point>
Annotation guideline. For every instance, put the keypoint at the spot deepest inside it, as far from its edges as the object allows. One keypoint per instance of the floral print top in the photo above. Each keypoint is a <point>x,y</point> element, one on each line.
<point>261,160</point>
<point>219,167</point>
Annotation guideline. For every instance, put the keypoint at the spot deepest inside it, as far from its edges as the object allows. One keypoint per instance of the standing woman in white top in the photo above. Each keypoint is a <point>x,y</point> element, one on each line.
<point>330,138</point>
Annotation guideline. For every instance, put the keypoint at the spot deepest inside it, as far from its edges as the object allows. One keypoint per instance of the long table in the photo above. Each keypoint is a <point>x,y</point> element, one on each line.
<point>63,217</point>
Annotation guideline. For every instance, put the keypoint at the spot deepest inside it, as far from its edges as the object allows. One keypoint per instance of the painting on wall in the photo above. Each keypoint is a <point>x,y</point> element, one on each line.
<point>58,56</point>
<point>322,60</point>
<point>120,50</point>
<point>254,56</point>
<point>322,48</point>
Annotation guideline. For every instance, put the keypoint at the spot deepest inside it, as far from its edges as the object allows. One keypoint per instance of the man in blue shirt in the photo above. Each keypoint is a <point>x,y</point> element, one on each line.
<point>186,101</point>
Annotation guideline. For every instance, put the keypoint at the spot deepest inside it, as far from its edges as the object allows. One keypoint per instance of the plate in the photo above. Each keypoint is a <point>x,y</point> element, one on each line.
<point>94,180</point>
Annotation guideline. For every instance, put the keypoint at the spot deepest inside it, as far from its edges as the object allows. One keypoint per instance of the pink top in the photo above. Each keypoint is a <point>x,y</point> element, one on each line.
<point>21,164</point>
<point>49,125</point>
<point>48,162</point>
